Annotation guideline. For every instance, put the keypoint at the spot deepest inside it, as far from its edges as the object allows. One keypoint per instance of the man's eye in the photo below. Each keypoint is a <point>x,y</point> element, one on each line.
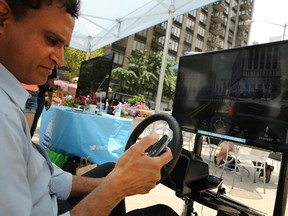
<point>52,41</point>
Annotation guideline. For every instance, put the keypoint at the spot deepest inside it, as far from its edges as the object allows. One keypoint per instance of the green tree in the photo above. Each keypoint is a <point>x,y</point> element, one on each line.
<point>73,59</point>
<point>123,80</point>
<point>169,85</point>
<point>142,76</point>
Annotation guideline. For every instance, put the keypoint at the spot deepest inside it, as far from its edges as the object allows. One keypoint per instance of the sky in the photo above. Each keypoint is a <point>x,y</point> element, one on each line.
<point>274,11</point>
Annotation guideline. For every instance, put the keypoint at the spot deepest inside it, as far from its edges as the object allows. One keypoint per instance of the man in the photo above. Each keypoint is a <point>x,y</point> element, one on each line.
<point>33,36</point>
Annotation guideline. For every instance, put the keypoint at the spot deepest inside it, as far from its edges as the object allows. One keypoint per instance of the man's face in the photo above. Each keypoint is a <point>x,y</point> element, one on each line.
<point>32,46</point>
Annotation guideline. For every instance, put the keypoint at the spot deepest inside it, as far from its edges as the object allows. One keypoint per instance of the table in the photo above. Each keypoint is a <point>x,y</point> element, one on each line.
<point>102,138</point>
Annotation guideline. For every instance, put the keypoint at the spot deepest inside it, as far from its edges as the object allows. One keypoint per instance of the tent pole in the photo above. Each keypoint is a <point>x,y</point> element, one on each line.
<point>87,55</point>
<point>89,48</point>
<point>164,58</point>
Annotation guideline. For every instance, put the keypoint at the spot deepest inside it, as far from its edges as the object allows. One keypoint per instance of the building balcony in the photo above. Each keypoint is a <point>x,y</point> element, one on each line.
<point>215,30</point>
<point>219,19</point>
<point>242,37</point>
<point>119,47</point>
<point>160,30</point>
<point>156,45</point>
<point>140,37</point>
<point>214,42</point>
<point>245,15</point>
<point>242,26</point>
<point>219,6</point>
<point>246,5</point>
<point>234,17</point>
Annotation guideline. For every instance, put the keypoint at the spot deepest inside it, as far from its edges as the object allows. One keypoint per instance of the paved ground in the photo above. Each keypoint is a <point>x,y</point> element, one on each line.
<point>246,192</point>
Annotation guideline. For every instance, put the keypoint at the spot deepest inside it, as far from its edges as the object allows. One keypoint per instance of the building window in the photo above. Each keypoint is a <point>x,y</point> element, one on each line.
<point>143,33</point>
<point>193,13</point>
<point>179,18</point>
<point>235,3</point>
<point>171,57</point>
<point>188,37</point>
<point>138,45</point>
<point>186,48</point>
<point>233,14</point>
<point>230,37</point>
<point>203,18</point>
<point>225,19</point>
<point>174,45</point>
<point>164,25</point>
<point>241,22</point>
<point>221,43</point>
<point>161,40</point>
<point>232,26</point>
<point>226,9</point>
<point>199,43</point>
<point>118,58</point>
<point>176,31</point>
<point>190,24</point>
<point>209,48</point>
<point>201,31</point>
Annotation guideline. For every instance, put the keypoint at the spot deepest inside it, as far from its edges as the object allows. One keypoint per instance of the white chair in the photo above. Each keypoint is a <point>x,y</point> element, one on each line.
<point>211,145</point>
<point>250,158</point>
<point>188,140</point>
<point>228,160</point>
<point>205,143</point>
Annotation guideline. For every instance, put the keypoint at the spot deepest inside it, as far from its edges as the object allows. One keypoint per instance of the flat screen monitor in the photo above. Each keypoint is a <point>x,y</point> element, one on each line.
<point>95,76</point>
<point>238,94</point>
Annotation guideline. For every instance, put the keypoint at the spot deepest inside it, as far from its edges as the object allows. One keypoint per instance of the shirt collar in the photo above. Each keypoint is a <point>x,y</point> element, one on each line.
<point>13,87</point>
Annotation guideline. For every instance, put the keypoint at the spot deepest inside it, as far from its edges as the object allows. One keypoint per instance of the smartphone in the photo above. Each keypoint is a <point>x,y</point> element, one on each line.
<point>158,148</point>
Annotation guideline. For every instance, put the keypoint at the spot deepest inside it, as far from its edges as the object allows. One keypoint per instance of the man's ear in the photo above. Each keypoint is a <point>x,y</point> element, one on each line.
<point>4,12</point>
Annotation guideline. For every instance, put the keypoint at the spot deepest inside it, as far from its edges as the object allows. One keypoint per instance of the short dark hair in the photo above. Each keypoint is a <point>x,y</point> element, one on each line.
<point>19,7</point>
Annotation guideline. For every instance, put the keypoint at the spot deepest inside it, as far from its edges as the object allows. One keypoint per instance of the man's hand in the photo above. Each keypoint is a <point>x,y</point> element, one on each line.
<point>134,173</point>
<point>138,173</point>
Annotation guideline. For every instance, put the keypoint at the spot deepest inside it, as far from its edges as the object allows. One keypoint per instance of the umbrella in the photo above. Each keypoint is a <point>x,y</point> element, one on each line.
<point>103,22</point>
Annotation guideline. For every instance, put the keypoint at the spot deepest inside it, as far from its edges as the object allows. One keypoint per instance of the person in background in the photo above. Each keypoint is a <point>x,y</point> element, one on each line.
<point>33,37</point>
<point>31,103</point>
<point>43,99</point>
<point>225,148</point>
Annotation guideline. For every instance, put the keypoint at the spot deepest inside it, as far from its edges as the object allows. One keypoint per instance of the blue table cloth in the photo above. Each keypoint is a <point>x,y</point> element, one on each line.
<point>101,138</point>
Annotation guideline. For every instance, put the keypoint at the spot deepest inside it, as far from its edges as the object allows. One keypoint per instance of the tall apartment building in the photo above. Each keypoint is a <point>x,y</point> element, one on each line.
<point>220,25</point>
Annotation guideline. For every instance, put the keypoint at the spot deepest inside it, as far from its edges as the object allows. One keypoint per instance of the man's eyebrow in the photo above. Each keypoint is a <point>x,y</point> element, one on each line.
<point>57,37</point>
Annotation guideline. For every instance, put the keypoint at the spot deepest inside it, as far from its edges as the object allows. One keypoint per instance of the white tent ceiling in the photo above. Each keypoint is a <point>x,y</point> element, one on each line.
<point>103,22</point>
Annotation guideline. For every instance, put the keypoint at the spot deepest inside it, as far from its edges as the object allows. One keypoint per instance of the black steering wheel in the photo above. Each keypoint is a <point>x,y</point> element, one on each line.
<point>175,144</point>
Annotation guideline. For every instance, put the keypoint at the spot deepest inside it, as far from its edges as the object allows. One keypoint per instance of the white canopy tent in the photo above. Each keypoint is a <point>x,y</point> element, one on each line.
<point>103,22</point>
